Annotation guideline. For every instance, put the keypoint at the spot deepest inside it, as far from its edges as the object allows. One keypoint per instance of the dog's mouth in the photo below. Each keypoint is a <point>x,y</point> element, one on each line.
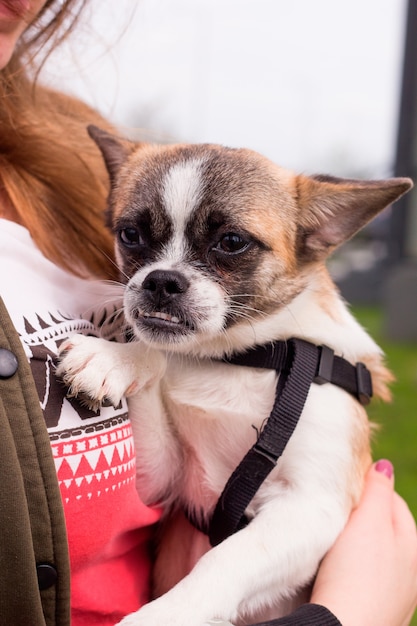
<point>161,321</point>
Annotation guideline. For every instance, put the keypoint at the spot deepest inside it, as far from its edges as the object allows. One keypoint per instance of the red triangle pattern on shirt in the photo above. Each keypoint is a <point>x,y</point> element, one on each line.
<point>91,465</point>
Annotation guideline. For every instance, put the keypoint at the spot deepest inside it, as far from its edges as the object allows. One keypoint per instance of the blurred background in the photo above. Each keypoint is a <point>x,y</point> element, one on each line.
<point>324,86</point>
<point>315,86</point>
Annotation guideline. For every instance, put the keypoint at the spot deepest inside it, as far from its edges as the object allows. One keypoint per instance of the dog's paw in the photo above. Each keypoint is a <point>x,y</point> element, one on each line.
<point>150,615</point>
<point>166,613</point>
<point>99,371</point>
<point>135,619</point>
<point>87,366</point>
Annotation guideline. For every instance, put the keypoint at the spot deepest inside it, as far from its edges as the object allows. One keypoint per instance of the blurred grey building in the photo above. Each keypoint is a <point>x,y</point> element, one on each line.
<point>391,279</point>
<point>400,286</point>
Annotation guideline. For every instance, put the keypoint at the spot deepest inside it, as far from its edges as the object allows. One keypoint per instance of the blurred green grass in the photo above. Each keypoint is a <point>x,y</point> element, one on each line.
<point>397,436</point>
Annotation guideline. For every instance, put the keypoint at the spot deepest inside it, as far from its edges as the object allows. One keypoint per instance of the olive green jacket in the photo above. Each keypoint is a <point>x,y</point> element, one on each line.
<point>34,562</point>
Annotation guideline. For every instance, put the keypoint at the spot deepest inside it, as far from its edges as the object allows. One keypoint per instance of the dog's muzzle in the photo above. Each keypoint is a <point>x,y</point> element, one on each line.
<point>157,305</point>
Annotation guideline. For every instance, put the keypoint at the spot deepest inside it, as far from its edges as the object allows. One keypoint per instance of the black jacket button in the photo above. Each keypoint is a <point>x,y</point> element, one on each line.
<point>8,364</point>
<point>47,575</point>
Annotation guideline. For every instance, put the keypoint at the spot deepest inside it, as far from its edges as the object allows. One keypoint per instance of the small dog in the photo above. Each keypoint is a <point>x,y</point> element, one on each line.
<point>222,251</point>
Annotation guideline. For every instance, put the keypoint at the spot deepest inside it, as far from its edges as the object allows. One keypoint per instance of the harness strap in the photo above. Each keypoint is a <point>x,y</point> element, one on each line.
<point>292,389</point>
<point>299,363</point>
<point>355,379</point>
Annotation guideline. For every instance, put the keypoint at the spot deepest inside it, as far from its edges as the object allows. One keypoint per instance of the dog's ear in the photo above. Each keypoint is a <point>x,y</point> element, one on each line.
<point>332,210</point>
<point>115,150</point>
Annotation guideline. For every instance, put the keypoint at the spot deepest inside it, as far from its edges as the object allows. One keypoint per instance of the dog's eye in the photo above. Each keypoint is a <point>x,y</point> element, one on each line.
<point>131,237</point>
<point>231,243</point>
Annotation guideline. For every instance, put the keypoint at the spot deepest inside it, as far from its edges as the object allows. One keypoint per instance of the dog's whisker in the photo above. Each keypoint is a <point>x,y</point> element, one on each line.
<point>105,255</point>
<point>114,283</point>
<point>245,311</point>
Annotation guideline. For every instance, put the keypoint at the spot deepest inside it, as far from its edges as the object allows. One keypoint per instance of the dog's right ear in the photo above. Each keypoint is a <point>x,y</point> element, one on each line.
<point>333,209</point>
<point>115,150</point>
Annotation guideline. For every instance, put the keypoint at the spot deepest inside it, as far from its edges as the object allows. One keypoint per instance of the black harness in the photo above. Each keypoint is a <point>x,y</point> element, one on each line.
<point>299,364</point>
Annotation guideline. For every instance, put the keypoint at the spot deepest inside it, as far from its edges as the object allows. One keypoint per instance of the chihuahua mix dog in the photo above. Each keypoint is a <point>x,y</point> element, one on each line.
<point>221,251</point>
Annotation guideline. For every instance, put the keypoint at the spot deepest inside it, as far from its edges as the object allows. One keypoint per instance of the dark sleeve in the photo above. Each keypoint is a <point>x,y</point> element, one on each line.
<point>34,562</point>
<point>305,615</point>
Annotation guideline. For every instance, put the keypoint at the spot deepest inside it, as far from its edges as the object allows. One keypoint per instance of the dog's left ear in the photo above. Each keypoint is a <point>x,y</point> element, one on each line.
<point>332,210</point>
<point>115,150</point>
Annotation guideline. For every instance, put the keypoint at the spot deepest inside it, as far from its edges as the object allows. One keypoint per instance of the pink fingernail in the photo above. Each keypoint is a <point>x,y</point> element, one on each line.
<point>385,467</point>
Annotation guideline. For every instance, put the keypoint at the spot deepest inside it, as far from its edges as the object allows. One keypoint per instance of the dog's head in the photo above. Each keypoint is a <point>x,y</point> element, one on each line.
<point>209,237</point>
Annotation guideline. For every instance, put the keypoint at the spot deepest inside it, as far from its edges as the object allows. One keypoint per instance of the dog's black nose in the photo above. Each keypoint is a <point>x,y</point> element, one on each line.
<point>163,285</point>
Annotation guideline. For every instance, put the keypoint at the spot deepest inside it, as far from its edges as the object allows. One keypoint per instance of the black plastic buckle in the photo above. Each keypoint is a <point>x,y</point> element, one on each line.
<point>364,384</point>
<point>325,366</point>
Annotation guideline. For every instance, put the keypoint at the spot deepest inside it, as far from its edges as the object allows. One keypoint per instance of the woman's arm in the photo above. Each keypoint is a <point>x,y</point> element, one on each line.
<point>369,577</point>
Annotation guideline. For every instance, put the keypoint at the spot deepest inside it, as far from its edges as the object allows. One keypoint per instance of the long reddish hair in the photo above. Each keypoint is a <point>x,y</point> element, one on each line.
<point>50,170</point>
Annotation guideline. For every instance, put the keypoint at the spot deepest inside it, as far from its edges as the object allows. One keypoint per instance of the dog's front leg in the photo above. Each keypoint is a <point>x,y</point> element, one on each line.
<point>273,557</point>
<point>98,370</point>
<point>158,451</point>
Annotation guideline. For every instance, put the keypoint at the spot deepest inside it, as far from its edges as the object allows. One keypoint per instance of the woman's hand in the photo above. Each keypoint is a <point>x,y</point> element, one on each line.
<point>369,577</point>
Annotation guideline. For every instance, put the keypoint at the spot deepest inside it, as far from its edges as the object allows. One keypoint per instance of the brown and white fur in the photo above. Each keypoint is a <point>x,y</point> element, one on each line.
<point>220,250</point>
